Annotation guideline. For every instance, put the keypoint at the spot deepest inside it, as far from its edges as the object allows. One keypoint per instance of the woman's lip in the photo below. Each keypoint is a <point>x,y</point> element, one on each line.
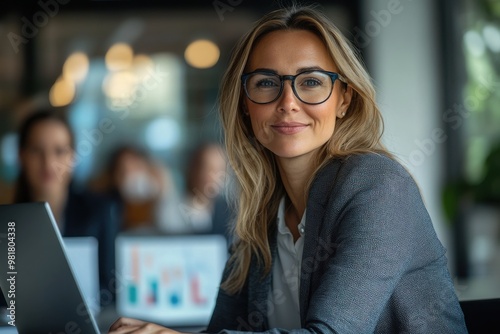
<point>289,124</point>
<point>288,128</point>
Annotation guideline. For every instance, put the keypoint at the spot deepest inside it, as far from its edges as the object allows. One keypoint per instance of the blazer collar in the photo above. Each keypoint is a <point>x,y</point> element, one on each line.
<point>259,285</point>
<point>318,198</point>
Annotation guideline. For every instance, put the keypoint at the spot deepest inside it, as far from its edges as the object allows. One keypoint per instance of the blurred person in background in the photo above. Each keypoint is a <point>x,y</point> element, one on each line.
<point>203,208</point>
<point>144,188</point>
<point>47,157</point>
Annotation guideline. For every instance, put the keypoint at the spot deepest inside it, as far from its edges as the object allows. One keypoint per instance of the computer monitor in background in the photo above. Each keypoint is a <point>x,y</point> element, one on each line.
<point>171,280</point>
<point>83,256</point>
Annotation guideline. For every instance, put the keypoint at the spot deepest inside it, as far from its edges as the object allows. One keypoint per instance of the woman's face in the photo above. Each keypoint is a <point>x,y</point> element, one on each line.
<point>47,158</point>
<point>210,173</point>
<point>288,127</point>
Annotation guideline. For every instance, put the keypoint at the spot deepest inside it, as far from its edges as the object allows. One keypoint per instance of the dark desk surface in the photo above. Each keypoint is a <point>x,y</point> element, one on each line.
<point>104,320</point>
<point>482,316</point>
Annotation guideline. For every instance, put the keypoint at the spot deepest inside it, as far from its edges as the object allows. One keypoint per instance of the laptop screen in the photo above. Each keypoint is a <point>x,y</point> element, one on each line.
<point>170,280</point>
<point>47,298</point>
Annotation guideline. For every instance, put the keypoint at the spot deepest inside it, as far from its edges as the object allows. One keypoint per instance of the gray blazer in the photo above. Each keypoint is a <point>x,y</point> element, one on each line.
<point>372,262</point>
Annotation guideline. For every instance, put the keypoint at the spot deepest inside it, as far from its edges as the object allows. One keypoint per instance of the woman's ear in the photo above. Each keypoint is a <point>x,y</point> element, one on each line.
<point>346,98</point>
<point>244,108</point>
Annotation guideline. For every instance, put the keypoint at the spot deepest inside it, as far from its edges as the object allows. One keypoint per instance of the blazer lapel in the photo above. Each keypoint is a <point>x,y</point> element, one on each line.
<point>316,204</point>
<point>259,287</point>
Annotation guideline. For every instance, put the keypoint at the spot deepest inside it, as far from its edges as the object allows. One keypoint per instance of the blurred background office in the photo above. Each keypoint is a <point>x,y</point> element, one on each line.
<point>146,74</point>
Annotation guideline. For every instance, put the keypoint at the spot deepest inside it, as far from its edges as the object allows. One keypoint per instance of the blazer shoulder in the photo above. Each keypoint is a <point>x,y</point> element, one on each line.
<point>373,165</point>
<point>359,171</point>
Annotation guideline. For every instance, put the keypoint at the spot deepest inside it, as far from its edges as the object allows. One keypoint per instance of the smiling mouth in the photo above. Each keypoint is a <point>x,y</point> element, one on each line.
<point>288,128</point>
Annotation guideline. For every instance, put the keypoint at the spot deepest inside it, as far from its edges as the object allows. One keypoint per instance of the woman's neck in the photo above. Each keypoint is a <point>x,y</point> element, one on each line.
<point>295,174</point>
<point>56,200</point>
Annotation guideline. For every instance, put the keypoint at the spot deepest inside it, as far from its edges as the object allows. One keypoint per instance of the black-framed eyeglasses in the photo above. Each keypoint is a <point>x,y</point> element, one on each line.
<point>310,87</point>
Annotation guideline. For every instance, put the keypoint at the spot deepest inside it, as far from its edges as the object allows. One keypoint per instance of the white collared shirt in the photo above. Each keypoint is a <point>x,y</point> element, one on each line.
<point>284,308</point>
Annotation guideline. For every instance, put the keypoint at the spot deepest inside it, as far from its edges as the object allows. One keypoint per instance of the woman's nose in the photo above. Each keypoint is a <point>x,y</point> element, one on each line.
<point>288,101</point>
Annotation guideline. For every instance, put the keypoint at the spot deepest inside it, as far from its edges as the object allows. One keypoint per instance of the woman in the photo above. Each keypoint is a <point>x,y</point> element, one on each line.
<point>332,235</point>
<point>144,189</point>
<point>203,209</point>
<point>46,155</point>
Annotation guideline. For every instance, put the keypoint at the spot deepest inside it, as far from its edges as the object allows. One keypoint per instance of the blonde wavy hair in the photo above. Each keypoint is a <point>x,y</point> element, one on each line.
<point>259,184</point>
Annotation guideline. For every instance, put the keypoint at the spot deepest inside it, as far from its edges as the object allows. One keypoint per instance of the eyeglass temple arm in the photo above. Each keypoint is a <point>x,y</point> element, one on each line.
<point>341,78</point>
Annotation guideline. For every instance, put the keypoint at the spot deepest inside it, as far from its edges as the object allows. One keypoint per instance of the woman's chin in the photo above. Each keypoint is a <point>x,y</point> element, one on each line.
<point>51,187</point>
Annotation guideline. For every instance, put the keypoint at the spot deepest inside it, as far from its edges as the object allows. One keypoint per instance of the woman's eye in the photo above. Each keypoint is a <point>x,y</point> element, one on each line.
<point>61,152</point>
<point>311,83</point>
<point>266,83</point>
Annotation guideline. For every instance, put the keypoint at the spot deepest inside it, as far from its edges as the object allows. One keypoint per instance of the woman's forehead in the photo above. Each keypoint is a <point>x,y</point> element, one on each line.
<point>288,51</point>
<point>48,131</point>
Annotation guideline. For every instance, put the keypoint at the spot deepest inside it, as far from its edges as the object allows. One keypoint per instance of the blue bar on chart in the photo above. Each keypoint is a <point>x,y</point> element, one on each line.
<point>132,294</point>
<point>174,297</point>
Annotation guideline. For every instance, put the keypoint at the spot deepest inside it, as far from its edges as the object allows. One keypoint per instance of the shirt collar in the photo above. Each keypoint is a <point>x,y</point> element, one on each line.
<point>282,228</point>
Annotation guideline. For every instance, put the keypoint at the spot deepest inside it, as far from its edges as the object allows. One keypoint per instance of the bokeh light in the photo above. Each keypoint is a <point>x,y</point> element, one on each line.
<point>143,65</point>
<point>62,92</point>
<point>202,53</point>
<point>119,57</point>
<point>120,85</point>
<point>491,36</point>
<point>162,134</point>
<point>76,67</point>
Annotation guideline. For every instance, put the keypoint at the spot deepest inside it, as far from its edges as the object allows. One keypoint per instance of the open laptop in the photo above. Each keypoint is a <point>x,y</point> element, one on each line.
<point>170,280</point>
<point>36,278</point>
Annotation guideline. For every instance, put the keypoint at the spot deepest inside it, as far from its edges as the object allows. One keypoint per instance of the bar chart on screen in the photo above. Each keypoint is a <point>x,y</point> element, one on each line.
<point>167,283</point>
<point>170,277</point>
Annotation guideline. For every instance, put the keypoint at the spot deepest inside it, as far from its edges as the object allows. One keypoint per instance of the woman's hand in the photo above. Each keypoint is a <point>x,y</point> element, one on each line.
<point>133,326</point>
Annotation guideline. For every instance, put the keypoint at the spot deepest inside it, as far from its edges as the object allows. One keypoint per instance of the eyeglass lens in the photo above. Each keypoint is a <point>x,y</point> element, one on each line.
<point>310,87</point>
